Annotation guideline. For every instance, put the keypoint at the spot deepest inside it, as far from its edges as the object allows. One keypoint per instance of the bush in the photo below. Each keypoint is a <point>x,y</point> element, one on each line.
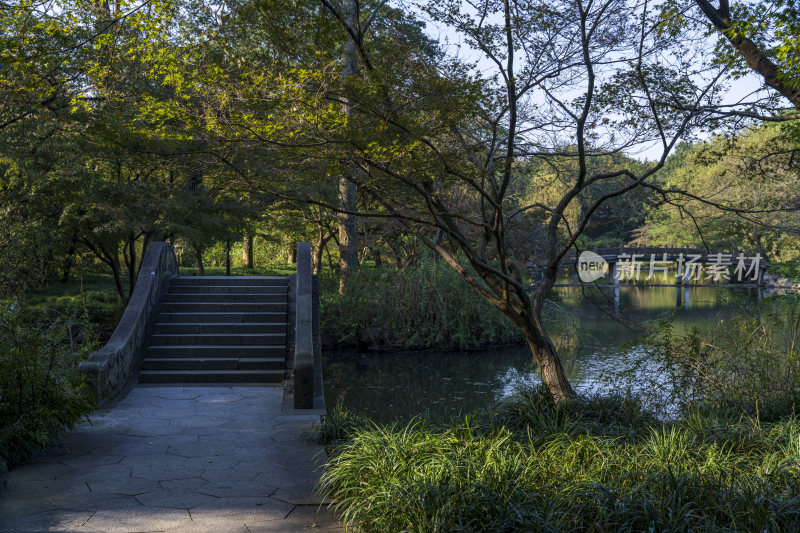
<point>41,389</point>
<point>748,364</point>
<point>599,464</point>
<point>424,305</point>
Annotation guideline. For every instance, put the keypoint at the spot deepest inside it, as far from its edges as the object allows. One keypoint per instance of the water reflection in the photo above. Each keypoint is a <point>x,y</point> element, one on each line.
<point>591,333</point>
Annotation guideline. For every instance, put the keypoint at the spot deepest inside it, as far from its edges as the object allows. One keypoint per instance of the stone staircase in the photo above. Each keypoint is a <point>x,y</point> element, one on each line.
<point>219,329</point>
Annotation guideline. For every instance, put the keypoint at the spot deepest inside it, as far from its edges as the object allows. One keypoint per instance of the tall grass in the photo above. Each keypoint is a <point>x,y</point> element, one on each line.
<point>41,389</point>
<point>426,305</point>
<point>599,464</point>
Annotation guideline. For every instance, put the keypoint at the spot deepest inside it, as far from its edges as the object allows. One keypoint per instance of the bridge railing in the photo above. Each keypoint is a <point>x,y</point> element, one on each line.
<point>304,337</point>
<point>110,367</point>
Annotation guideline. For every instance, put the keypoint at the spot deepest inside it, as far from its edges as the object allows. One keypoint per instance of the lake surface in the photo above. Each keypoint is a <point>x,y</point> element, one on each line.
<point>594,330</point>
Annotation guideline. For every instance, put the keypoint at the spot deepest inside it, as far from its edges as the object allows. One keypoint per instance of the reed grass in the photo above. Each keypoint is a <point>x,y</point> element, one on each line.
<point>601,463</point>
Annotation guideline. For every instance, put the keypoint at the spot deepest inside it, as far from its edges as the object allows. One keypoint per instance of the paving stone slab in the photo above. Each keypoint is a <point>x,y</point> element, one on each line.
<point>210,526</point>
<point>130,486</point>
<point>205,463</point>
<point>178,499</point>
<point>94,502</point>
<point>142,519</point>
<point>91,460</point>
<point>243,510</point>
<point>236,489</point>
<point>19,488</point>
<point>58,520</point>
<point>224,474</point>
<point>182,485</point>
<point>18,507</point>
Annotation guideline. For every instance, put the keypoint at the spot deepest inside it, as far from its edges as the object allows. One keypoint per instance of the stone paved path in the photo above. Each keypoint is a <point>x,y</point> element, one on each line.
<point>175,459</point>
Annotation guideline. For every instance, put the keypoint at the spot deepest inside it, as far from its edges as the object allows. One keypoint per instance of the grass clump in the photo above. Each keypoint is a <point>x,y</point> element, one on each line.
<point>41,389</point>
<point>597,464</point>
<point>431,307</point>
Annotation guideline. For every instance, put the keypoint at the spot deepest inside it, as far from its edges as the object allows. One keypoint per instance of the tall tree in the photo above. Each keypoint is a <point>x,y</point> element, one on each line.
<point>348,226</point>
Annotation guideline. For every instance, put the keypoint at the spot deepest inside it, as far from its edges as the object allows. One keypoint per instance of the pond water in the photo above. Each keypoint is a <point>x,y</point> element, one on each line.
<point>592,332</point>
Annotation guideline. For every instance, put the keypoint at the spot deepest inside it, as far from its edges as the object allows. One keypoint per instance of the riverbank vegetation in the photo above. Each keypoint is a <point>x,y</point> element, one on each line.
<point>596,464</point>
<point>424,305</point>
<point>710,442</point>
<point>41,390</point>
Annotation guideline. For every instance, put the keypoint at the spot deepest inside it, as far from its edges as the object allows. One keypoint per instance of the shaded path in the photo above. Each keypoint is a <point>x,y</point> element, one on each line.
<point>170,458</point>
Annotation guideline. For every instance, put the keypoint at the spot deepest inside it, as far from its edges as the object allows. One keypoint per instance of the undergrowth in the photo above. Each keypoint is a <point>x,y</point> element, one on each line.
<point>426,305</point>
<point>41,389</point>
<point>597,464</point>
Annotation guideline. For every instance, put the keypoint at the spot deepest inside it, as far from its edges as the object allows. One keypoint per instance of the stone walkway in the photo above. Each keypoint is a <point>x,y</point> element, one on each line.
<point>174,459</point>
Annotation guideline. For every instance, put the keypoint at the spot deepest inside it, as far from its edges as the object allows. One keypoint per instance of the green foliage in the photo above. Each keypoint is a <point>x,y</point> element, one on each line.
<point>789,270</point>
<point>532,465</point>
<point>426,304</point>
<point>749,364</point>
<point>338,425</point>
<point>752,171</point>
<point>41,389</point>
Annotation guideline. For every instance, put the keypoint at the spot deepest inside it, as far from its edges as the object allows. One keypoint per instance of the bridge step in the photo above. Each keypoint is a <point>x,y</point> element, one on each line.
<point>211,376</point>
<point>216,350</point>
<point>216,307</point>
<point>219,329</point>
<point>222,316</point>
<point>216,363</point>
<point>217,281</point>
<point>229,339</point>
<point>176,297</point>
<point>230,289</point>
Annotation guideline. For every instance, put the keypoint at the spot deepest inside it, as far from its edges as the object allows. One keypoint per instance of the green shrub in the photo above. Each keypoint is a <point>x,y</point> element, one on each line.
<point>423,305</point>
<point>599,464</point>
<point>748,364</point>
<point>787,269</point>
<point>41,389</point>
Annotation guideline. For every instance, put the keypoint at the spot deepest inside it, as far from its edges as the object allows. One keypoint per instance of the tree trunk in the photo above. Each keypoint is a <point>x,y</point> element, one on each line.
<point>247,251</point>
<point>67,266</point>
<point>148,238</point>
<point>317,258</point>
<point>348,226</point>
<point>227,258</point>
<point>131,264</point>
<point>115,269</point>
<point>546,356</point>
<point>319,245</point>
<point>198,257</point>
<point>376,255</point>
<point>331,264</point>
<point>291,257</point>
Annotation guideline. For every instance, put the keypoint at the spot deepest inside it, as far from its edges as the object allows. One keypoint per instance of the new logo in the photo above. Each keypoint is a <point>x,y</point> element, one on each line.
<point>591,266</point>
